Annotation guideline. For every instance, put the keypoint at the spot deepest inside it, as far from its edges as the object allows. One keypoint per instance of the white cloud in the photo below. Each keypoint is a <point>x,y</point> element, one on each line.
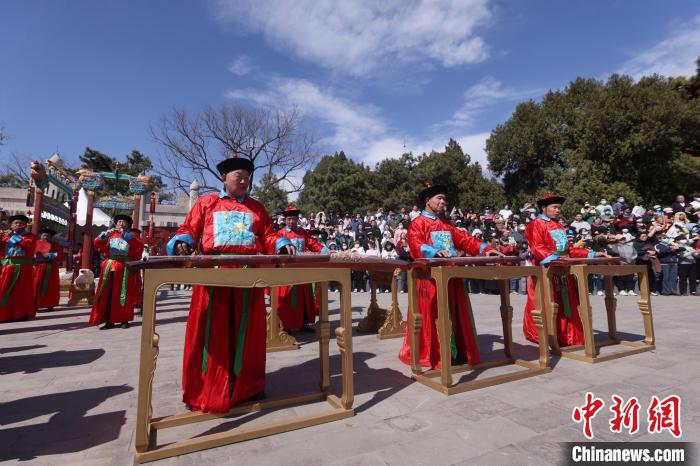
<point>474,145</point>
<point>363,36</point>
<point>358,129</point>
<point>673,56</point>
<point>241,66</point>
<point>351,124</point>
<point>392,146</point>
<point>485,93</point>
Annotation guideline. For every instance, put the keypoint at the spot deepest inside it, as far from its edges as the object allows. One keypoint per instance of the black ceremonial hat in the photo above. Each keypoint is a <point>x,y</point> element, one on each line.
<point>21,217</point>
<point>431,190</point>
<point>235,163</point>
<point>123,217</point>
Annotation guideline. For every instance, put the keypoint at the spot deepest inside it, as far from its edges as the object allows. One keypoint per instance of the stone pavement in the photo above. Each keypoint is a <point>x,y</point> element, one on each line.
<point>68,393</point>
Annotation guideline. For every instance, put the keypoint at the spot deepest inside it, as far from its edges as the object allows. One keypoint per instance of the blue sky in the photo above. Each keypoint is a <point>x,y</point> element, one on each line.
<point>369,77</point>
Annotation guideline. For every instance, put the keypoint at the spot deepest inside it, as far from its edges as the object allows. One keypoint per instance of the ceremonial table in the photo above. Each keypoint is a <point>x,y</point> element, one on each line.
<point>386,323</point>
<point>442,270</point>
<point>262,272</point>
<point>608,268</point>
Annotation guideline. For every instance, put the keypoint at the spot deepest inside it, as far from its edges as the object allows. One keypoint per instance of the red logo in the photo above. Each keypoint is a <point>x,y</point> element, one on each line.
<point>626,416</point>
<point>661,415</point>
<point>665,415</point>
<point>587,412</point>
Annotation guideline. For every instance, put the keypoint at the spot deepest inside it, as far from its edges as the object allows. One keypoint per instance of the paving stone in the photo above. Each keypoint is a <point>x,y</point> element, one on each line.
<point>68,393</point>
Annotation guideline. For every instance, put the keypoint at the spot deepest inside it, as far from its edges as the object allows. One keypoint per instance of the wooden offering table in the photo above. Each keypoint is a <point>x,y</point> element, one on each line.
<point>484,268</point>
<point>386,323</point>
<point>608,268</point>
<point>263,271</point>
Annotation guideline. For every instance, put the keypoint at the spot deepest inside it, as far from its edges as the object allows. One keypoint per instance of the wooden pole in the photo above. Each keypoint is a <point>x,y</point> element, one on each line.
<point>73,219</point>
<point>87,232</point>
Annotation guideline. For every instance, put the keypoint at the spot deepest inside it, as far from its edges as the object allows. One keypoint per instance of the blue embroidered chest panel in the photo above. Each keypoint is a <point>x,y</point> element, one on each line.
<point>14,251</point>
<point>443,240</point>
<point>560,240</point>
<point>118,247</point>
<point>233,228</point>
<point>299,244</point>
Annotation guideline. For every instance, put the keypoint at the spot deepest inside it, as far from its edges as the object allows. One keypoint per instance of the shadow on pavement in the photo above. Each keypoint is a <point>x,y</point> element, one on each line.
<point>69,430</point>
<point>31,363</point>
<point>56,315</point>
<point>17,349</point>
<point>304,377</point>
<point>45,328</point>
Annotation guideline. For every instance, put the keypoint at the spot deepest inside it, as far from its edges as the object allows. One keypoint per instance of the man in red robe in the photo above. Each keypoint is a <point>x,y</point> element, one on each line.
<point>224,356</point>
<point>296,304</point>
<point>16,271</point>
<point>47,258</point>
<point>117,288</point>
<point>548,242</point>
<point>432,235</point>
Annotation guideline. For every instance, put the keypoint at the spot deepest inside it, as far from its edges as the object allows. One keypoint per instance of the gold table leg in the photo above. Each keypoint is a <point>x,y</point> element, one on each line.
<point>277,338</point>
<point>394,325</point>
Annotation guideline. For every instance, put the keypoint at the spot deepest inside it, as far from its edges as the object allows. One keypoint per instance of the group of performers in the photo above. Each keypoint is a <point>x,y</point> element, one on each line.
<point>224,353</point>
<point>28,271</point>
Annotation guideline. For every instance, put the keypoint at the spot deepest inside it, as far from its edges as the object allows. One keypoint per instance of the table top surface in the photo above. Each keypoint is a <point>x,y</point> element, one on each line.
<point>349,261</point>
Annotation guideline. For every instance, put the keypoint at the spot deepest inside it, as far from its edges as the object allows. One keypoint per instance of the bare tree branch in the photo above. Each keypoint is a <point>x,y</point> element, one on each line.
<point>275,140</point>
<point>3,134</point>
<point>18,168</point>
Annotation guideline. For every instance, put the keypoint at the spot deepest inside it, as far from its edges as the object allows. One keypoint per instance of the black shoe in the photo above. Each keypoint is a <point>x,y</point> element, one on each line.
<point>107,326</point>
<point>258,396</point>
<point>459,360</point>
<point>308,328</point>
<point>125,325</point>
<point>49,309</point>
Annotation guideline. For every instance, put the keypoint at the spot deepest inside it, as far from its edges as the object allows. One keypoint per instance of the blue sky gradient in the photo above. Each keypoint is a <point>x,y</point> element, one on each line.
<point>368,80</point>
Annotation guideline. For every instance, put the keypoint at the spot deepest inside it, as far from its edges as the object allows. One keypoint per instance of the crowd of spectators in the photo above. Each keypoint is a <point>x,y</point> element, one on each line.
<point>664,238</point>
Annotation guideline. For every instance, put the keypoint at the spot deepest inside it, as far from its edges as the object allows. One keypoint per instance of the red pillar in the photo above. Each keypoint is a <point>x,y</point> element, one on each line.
<point>137,210</point>
<point>87,232</point>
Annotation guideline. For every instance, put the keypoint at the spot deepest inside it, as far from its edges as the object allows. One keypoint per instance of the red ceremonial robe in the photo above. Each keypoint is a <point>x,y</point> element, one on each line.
<point>548,242</point>
<point>47,258</point>
<point>296,304</point>
<point>428,234</point>
<point>224,356</point>
<point>116,290</point>
<point>16,276</point>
